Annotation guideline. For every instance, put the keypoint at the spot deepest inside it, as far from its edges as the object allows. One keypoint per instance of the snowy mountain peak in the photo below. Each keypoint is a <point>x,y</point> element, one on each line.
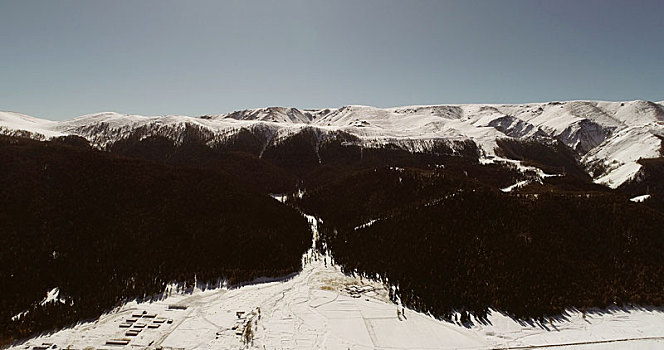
<point>270,114</point>
<point>13,123</point>
<point>609,137</point>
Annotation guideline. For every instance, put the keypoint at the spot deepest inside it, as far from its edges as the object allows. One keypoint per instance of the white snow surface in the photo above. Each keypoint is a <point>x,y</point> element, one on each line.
<point>640,199</point>
<point>52,295</point>
<point>516,185</point>
<point>11,121</point>
<point>320,308</point>
<point>614,135</point>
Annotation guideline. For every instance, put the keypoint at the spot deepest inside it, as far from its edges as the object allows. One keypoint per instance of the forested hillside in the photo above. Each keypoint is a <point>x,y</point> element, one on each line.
<point>450,243</point>
<point>104,229</point>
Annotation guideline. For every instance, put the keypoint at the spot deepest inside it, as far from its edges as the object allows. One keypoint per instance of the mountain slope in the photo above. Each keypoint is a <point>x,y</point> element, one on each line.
<point>104,229</point>
<point>608,137</point>
<point>451,243</point>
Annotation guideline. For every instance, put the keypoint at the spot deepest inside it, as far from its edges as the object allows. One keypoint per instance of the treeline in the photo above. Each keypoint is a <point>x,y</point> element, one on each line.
<point>104,229</point>
<point>552,156</point>
<point>454,244</point>
<point>306,159</point>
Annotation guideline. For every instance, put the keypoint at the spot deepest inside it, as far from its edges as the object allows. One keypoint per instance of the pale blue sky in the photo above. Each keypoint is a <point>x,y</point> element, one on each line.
<point>60,59</point>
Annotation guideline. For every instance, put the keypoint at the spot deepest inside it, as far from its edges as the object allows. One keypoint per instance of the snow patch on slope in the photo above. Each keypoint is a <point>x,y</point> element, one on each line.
<point>619,154</point>
<point>640,199</point>
<point>516,185</point>
<point>52,295</point>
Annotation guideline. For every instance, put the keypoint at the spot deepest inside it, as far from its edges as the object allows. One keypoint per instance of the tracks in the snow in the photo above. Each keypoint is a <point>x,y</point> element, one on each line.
<point>572,344</point>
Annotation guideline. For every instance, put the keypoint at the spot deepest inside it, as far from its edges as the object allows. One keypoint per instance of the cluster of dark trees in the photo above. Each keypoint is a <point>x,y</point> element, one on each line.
<point>450,243</point>
<point>552,156</point>
<point>105,228</point>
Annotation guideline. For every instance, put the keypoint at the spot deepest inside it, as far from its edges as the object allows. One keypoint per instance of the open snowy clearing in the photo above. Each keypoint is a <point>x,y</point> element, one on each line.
<point>321,308</point>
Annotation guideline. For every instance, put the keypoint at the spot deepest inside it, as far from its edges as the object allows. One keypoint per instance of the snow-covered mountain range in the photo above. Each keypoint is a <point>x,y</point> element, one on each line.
<point>608,138</point>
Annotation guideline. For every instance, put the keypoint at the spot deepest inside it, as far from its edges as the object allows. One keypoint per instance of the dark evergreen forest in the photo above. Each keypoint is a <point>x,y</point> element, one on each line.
<point>105,228</point>
<point>453,244</point>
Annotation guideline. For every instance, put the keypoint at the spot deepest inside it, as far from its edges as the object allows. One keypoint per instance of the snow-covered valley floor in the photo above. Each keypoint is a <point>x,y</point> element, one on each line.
<point>321,308</point>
